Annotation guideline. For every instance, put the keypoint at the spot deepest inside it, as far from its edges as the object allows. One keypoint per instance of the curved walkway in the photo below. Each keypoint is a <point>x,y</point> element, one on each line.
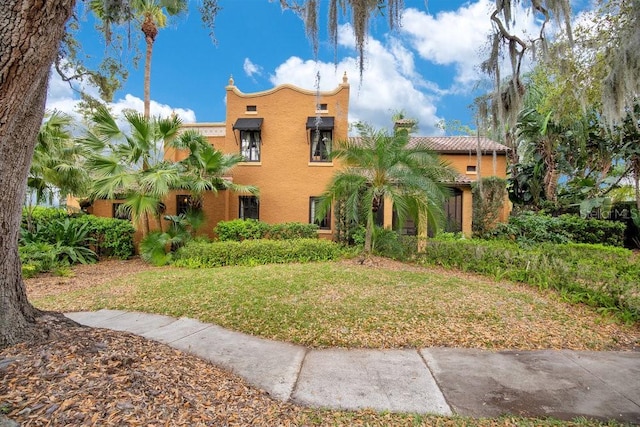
<point>477,383</point>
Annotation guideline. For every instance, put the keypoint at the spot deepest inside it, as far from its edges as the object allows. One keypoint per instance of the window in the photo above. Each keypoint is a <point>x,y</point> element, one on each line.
<point>325,223</point>
<point>250,145</point>
<point>119,211</point>
<point>320,145</point>
<point>471,169</point>
<point>183,204</point>
<point>453,211</point>
<point>252,108</point>
<point>321,107</point>
<point>249,207</point>
<point>320,134</point>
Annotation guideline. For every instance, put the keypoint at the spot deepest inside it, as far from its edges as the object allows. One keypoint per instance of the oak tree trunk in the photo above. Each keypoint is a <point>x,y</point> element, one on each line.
<point>30,34</point>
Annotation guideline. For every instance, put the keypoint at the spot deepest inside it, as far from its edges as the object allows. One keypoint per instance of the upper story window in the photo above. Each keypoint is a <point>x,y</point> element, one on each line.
<point>250,145</point>
<point>320,138</point>
<point>325,222</point>
<point>249,207</point>
<point>472,169</point>
<point>322,107</point>
<point>250,138</point>
<point>321,145</point>
<point>252,108</point>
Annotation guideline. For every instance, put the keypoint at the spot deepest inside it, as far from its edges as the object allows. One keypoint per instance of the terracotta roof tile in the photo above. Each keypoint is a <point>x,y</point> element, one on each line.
<point>458,144</point>
<point>455,144</point>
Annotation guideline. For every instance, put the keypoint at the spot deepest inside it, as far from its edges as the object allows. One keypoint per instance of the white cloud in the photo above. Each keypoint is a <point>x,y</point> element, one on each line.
<point>459,38</point>
<point>251,69</point>
<point>61,97</point>
<point>389,83</point>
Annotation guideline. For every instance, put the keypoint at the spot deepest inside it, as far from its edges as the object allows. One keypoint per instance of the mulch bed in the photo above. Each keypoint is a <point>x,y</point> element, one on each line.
<point>84,376</point>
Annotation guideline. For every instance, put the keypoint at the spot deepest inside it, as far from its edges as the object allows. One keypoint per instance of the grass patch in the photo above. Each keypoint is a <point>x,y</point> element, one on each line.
<point>343,304</point>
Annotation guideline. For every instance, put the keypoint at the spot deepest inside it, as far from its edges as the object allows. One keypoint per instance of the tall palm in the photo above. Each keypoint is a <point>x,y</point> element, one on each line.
<point>151,15</point>
<point>379,166</point>
<point>129,162</point>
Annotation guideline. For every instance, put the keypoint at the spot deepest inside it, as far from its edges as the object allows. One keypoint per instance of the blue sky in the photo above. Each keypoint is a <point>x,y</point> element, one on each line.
<point>426,68</point>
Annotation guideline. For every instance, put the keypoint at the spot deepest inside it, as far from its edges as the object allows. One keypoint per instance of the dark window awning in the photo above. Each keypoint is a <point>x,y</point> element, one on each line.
<point>248,124</point>
<point>320,123</point>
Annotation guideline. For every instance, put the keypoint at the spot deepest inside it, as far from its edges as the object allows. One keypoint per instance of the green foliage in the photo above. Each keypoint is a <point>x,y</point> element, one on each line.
<point>256,252</point>
<point>155,248</point>
<point>388,243</point>
<point>530,227</point>
<point>380,166</point>
<point>240,229</point>
<point>251,229</point>
<point>39,216</point>
<point>488,200</point>
<point>37,257</point>
<point>71,241</point>
<point>106,237</point>
<point>292,230</point>
<point>111,237</point>
<point>601,276</point>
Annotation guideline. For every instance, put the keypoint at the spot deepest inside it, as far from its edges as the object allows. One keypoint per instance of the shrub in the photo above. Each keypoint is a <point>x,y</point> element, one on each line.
<point>40,216</point>
<point>240,229</point>
<point>72,242</point>
<point>256,252</point>
<point>251,229</point>
<point>598,275</point>
<point>155,248</point>
<point>531,228</point>
<point>106,237</point>
<point>292,230</point>
<point>112,237</point>
<point>488,204</point>
<point>37,257</point>
<point>388,243</point>
<point>591,230</point>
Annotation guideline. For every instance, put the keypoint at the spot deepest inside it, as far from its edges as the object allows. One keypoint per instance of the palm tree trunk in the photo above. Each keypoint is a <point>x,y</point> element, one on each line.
<point>150,31</point>
<point>30,34</point>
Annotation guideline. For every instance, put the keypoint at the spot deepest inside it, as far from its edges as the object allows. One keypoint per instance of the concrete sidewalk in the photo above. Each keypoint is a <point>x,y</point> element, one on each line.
<point>478,383</point>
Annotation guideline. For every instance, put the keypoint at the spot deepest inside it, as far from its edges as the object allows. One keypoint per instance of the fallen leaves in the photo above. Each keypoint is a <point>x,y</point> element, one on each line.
<point>97,377</point>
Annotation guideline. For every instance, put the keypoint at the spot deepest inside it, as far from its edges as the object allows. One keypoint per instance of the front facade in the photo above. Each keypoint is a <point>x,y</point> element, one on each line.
<point>285,136</point>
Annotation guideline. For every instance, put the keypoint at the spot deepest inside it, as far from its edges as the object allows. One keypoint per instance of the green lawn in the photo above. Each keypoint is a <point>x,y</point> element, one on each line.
<point>349,305</point>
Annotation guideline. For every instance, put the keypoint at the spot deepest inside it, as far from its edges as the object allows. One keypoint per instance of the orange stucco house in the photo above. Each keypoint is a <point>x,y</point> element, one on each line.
<point>285,134</point>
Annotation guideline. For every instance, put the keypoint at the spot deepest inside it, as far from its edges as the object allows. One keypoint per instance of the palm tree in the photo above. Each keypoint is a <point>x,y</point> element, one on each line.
<point>130,164</point>
<point>154,18</point>
<point>56,167</point>
<point>379,166</point>
<point>205,168</point>
<point>151,15</point>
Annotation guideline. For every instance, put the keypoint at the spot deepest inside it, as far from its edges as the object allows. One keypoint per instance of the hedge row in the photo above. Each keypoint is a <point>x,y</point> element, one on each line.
<point>252,229</point>
<point>256,252</point>
<point>601,276</point>
<point>529,227</point>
